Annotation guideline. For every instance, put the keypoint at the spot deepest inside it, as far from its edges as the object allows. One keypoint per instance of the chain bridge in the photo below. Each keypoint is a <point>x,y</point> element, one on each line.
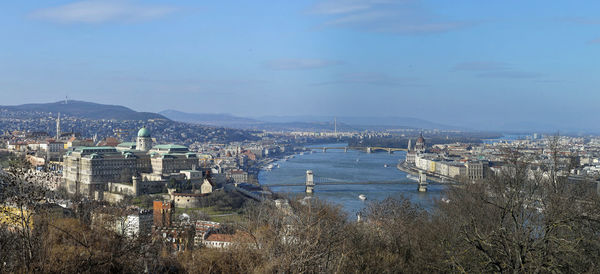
<point>312,181</point>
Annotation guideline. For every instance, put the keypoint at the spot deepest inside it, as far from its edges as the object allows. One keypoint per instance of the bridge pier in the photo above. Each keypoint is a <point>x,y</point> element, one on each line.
<point>345,149</point>
<point>369,150</point>
<point>324,150</point>
<point>390,151</point>
<point>422,182</point>
<point>310,183</point>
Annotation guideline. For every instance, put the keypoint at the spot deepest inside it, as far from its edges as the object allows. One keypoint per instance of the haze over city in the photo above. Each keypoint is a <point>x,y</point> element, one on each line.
<point>473,64</point>
<point>302,136</point>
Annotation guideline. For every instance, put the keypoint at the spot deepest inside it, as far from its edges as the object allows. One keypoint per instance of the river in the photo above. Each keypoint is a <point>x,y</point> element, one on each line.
<point>352,166</point>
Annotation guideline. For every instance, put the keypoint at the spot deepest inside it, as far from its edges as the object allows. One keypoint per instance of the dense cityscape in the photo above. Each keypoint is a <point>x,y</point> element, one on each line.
<point>307,136</point>
<point>194,190</point>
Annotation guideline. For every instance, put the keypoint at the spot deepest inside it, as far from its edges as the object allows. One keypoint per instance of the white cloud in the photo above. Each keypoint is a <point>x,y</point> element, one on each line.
<point>371,78</point>
<point>594,41</point>
<point>491,69</point>
<point>390,16</point>
<point>297,64</point>
<point>481,66</point>
<point>101,11</point>
<point>581,20</point>
<point>510,74</point>
<point>346,6</point>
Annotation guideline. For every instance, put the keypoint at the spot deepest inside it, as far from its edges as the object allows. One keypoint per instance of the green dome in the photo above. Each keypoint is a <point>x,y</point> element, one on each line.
<point>144,132</point>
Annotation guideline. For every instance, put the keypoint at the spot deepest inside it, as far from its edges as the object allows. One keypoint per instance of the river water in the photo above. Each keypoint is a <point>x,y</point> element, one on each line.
<point>352,166</point>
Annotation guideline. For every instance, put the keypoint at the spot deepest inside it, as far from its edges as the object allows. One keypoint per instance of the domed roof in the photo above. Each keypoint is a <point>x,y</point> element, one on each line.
<point>144,132</point>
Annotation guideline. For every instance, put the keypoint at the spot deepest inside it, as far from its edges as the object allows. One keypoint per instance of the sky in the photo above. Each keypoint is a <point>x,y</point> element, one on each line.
<point>462,62</point>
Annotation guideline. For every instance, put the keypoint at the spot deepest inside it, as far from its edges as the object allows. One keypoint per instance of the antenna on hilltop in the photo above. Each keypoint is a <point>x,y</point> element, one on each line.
<point>335,125</point>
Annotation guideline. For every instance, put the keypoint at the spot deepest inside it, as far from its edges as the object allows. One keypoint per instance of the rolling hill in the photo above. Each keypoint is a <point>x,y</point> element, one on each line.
<point>277,123</point>
<point>87,110</point>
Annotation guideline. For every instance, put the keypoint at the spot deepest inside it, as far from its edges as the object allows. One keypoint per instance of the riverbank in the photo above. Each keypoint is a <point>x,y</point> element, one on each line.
<point>430,176</point>
<point>353,167</point>
<point>296,151</point>
<point>261,164</point>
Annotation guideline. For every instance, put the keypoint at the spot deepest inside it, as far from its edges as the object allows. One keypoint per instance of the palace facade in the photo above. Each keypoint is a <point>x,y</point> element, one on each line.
<point>127,169</point>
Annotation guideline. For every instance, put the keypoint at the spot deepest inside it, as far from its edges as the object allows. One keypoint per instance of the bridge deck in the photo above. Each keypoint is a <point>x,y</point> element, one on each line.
<point>361,148</point>
<point>348,183</point>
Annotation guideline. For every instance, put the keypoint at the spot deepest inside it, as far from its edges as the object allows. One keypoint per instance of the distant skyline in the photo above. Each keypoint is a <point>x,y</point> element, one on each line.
<point>464,63</point>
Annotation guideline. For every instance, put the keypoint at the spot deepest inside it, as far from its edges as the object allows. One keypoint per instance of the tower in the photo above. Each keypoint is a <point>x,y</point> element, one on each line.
<point>420,144</point>
<point>58,127</point>
<point>410,152</point>
<point>144,141</point>
<point>135,180</point>
<point>422,182</point>
<point>335,126</point>
<point>163,213</point>
<point>310,183</point>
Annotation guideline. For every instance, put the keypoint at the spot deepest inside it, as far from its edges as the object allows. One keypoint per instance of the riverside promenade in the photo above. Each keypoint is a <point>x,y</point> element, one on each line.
<point>430,176</point>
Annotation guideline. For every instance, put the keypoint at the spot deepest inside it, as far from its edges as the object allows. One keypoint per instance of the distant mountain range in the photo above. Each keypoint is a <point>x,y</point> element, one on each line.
<point>364,122</point>
<point>209,119</point>
<point>302,122</point>
<point>95,111</point>
<point>87,110</point>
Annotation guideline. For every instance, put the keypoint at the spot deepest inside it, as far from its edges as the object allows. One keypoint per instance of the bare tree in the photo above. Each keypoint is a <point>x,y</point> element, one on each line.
<point>19,200</point>
<point>307,236</point>
<point>527,218</point>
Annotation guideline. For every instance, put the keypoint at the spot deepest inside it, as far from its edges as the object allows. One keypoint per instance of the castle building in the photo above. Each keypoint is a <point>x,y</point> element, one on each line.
<point>413,151</point>
<point>420,146</point>
<point>144,141</point>
<point>109,173</point>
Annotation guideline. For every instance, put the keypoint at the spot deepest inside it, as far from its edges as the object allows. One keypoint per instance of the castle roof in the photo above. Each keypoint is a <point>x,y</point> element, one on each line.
<point>127,144</point>
<point>170,148</point>
<point>143,132</point>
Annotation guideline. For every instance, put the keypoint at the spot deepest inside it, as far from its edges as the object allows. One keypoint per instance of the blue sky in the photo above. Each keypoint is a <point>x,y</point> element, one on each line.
<point>473,63</point>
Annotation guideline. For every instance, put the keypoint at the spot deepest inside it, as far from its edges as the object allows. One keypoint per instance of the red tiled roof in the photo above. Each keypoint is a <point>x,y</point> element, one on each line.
<point>238,237</point>
<point>214,237</point>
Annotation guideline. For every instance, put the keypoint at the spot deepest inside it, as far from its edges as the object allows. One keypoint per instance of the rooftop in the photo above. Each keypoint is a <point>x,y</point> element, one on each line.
<point>127,144</point>
<point>170,149</point>
<point>170,146</point>
<point>143,132</point>
<point>90,150</point>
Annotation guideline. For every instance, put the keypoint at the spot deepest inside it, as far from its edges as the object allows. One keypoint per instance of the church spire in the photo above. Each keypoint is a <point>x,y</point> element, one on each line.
<point>58,127</point>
